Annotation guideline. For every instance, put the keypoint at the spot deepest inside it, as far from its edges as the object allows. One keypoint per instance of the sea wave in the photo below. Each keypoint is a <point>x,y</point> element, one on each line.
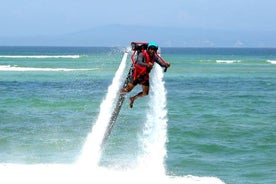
<point>271,61</point>
<point>41,56</point>
<point>16,68</point>
<point>228,61</point>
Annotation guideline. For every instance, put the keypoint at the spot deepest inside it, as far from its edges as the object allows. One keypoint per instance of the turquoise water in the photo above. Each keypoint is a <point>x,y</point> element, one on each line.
<point>221,108</point>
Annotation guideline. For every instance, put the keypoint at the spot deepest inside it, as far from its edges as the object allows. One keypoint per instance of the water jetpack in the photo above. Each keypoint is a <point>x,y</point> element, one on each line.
<point>139,46</point>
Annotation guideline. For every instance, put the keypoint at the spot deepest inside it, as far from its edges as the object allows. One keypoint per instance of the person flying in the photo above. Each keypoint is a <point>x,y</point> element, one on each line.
<point>142,68</point>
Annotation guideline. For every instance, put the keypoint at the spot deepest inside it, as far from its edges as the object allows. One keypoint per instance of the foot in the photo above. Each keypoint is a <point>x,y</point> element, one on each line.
<point>131,102</point>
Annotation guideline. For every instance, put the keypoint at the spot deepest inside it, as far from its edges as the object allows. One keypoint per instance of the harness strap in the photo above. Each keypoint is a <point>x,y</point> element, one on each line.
<point>140,71</point>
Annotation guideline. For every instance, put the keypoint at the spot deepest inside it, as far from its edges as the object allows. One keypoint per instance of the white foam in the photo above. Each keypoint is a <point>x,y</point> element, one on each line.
<point>40,56</point>
<point>155,131</point>
<point>271,61</point>
<point>75,174</point>
<point>228,61</point>
<point>91,152</point>
<point>30,69</point>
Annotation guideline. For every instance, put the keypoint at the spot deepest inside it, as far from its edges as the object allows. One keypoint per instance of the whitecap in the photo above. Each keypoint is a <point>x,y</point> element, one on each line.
<point>28,69</point>
<point>271,61</point>
<point>40,56</point>
<point>228,61</point>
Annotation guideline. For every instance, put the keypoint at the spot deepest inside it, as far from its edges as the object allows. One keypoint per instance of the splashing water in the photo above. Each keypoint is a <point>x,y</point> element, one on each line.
<point>91,152</point>
<point>155,130</point>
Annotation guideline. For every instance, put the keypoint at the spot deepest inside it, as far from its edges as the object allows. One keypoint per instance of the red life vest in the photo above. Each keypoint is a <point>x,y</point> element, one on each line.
<point>142,71</point>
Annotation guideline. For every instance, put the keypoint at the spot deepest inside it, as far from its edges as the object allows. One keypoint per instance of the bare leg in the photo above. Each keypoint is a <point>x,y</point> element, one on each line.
<point>128,88</point>
<point>145,92</point>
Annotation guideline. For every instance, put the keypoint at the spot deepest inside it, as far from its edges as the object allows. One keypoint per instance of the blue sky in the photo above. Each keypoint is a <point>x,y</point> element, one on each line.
<point>54,17</point>
<point>61,16</point>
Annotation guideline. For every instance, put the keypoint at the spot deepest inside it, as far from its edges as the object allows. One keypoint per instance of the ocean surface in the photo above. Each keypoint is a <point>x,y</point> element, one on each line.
<point>211,118</point>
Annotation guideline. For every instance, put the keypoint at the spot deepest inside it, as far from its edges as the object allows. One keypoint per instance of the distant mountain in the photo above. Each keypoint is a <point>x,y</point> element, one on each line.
<point>122,35</point>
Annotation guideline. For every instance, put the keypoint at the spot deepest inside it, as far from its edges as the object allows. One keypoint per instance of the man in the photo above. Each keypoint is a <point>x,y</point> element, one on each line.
<point>142,67</point>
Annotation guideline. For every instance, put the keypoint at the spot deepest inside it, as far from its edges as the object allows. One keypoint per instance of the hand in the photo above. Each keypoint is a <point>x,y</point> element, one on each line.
<point>168,65</point>
<point>150,65</point>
